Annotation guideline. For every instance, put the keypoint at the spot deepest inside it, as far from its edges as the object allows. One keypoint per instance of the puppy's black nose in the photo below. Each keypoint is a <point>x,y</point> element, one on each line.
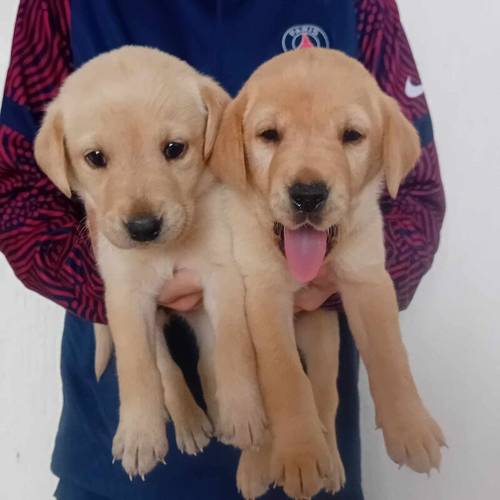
<point>144,228</point>
<point>308,197</point>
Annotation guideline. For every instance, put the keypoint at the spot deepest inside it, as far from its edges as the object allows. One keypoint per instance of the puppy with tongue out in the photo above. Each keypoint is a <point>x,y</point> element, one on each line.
<point>306,147</point>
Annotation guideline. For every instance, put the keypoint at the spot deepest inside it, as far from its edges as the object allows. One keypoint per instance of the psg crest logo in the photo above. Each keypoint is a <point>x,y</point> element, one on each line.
<point>304,35</point>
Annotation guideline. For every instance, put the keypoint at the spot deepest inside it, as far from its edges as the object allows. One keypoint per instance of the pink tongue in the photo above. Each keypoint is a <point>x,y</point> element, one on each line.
<point>305,249</point>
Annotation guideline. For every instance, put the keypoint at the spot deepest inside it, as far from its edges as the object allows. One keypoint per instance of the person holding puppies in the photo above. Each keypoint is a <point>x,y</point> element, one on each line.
<point>40,229</point>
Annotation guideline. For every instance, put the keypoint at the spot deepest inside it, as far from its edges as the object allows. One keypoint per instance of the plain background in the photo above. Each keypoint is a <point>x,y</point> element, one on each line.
<point>450,329</point>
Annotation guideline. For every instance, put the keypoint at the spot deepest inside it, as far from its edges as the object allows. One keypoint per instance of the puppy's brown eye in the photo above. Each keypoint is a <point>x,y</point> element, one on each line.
<point>174,150</point>
<point>96,159</point>
<point>351,136</point>
<point>270,135</point>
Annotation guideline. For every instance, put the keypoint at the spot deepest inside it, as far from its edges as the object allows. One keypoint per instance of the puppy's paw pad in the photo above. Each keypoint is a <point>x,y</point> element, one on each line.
<point>140,447</point>
<point>337,480</point>
<point>253,476</point>
<point>415,442</point>
<point>242,424</point>
<point>303,474</point>
<point>193,432</point>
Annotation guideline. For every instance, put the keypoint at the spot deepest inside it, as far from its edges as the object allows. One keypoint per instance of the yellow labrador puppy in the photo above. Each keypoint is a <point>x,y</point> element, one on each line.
<point>130,132</point>
<point>307,144</point>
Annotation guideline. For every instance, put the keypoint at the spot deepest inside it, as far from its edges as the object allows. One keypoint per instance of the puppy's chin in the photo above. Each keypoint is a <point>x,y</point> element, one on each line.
<point>121,240</point>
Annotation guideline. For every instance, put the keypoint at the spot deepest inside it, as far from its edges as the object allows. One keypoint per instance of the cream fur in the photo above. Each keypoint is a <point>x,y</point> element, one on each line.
<point>144,99</point>
<point>225,235</point>
<point>311,115</point>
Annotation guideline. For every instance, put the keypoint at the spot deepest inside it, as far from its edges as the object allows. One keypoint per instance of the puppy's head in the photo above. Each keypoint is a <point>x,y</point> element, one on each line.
<point>130,132</point>
<point>309,131</point>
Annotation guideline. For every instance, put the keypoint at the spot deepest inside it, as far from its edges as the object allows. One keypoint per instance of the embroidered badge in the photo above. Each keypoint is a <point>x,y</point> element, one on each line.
<point>302,36</point>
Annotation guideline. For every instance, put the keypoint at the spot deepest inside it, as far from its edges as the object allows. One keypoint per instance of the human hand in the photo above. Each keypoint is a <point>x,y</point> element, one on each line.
<point>183,292</point>
<point>313,296</point>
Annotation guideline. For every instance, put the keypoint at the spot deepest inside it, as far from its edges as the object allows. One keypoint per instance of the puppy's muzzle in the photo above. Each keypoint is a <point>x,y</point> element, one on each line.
<point>308,198</point>
<point>144,228</point>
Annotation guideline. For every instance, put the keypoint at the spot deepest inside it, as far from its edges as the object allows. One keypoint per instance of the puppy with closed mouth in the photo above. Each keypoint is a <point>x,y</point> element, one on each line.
<point>307,158</point>
<point>130,132</point>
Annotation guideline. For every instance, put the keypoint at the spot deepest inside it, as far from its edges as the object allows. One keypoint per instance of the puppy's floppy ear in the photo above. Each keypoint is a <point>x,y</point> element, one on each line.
<point>228,162</point>
<point>50,150</point>
<point>216,99</point>
<point>400,145</point>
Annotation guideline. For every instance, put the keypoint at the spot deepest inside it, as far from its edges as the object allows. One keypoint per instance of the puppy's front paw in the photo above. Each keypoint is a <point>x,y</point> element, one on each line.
<point>303,465</point>
<point>140,441</point>
<point>336,481</point>
<point>253,476</point>
<point>413,438</point>
<point>241,418</point>
<point>192,428</point>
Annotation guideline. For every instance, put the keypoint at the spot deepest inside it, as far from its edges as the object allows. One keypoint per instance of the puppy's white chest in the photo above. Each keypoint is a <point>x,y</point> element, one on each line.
<point>144,269</point>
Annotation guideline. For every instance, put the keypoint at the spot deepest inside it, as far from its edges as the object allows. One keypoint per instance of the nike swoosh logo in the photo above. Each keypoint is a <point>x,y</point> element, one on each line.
<point>412,90</point>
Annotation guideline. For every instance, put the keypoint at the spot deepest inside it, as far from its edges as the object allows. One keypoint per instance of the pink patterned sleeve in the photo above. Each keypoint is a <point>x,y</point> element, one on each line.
<point>413,221</point>
<point>40,229</point>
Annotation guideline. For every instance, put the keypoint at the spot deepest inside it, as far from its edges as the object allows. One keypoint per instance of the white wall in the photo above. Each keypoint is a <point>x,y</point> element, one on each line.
<point>30,389</point>
<point>450,329</point>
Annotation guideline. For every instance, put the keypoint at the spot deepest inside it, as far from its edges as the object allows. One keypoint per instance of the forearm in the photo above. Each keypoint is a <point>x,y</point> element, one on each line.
<point>412,225</point>
<point>42,233</point>
<point>413,220</point>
